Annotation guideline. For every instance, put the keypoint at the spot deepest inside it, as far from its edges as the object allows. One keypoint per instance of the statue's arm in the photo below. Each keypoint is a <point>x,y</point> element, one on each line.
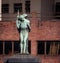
<point>29,26</point>
<point>17,23</point>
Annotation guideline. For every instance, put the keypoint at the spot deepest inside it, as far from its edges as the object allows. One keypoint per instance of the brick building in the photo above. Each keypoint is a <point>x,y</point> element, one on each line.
<point>44,38</point>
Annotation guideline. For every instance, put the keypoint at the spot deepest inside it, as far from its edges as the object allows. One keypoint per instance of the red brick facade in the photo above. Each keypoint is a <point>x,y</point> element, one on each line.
<point>40,30</point>
<point>48,30</point>
<point>43,30</point>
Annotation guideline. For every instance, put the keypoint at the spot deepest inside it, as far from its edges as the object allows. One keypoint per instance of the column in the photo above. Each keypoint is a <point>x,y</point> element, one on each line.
<point>58,46</point>
<point>12,47</point>
<point>34,47</point>
<point>0,10</point>
<point>45,47</point>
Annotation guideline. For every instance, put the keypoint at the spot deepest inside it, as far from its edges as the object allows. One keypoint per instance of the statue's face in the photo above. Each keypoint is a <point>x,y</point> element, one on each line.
<point>20,19</point>
<point>26,17</point>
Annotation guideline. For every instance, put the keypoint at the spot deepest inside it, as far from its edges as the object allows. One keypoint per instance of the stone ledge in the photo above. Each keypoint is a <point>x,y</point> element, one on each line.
<point>22,58</point>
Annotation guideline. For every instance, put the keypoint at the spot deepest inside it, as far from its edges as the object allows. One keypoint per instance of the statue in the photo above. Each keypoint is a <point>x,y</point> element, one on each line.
<point>23,25</point>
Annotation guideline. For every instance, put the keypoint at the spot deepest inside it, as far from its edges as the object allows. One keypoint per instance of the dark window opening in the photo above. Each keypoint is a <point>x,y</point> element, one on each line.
<point>58,10</point>
<point>48,47</point>
<point>29,46</point>
<point>5,8</point>
<point>17,46</point>
<point>8,47</point>
<point>53,47</point>
<point>40,47</point>
<point>1,47</point>
<point>17,6</point>
<point>27,6</point>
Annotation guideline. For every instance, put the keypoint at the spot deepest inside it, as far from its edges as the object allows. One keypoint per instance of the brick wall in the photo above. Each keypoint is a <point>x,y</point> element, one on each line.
<point>48,30</point>
<point>50,60</point>
<point>8,31</point>
<point>45,30</point>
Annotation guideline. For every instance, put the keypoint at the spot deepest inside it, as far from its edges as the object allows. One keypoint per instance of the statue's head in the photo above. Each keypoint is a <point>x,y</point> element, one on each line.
<point>25,16</point>
<point>21,18</point>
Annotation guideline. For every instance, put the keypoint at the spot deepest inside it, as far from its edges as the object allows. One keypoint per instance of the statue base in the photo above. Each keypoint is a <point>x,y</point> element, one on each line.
<point>21,58</point>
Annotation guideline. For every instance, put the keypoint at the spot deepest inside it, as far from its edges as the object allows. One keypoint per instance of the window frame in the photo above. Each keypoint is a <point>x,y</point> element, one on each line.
<point>5,8</point>
<point>27,6</point>
<point>48,44</point>
<point>17,6</point>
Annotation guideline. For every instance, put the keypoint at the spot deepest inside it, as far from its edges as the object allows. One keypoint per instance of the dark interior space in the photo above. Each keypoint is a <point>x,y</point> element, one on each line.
<point>40,47</point>
<point>50,47</point>
<point>8,46</point>
<point>1,47</point>
<point>57,10</point>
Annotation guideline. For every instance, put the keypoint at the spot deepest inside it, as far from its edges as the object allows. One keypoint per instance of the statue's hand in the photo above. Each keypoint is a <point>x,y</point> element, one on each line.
<point>28,28</point>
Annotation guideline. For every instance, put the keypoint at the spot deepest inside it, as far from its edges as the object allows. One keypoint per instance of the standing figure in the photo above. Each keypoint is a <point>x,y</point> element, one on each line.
<point>23,24</point>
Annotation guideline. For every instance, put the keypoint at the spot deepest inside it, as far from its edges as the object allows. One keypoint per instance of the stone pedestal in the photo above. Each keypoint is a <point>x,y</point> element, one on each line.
<point>19,58</point>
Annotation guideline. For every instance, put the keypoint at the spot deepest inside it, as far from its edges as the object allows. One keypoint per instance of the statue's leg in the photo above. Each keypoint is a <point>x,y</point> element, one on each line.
<point>21,43</point>
<point>27,47</point>
<point>25,42</point>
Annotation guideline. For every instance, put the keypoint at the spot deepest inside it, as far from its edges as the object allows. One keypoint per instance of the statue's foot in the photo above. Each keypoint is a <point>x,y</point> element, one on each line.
<point>21,52</point>
<point>27,52</point>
